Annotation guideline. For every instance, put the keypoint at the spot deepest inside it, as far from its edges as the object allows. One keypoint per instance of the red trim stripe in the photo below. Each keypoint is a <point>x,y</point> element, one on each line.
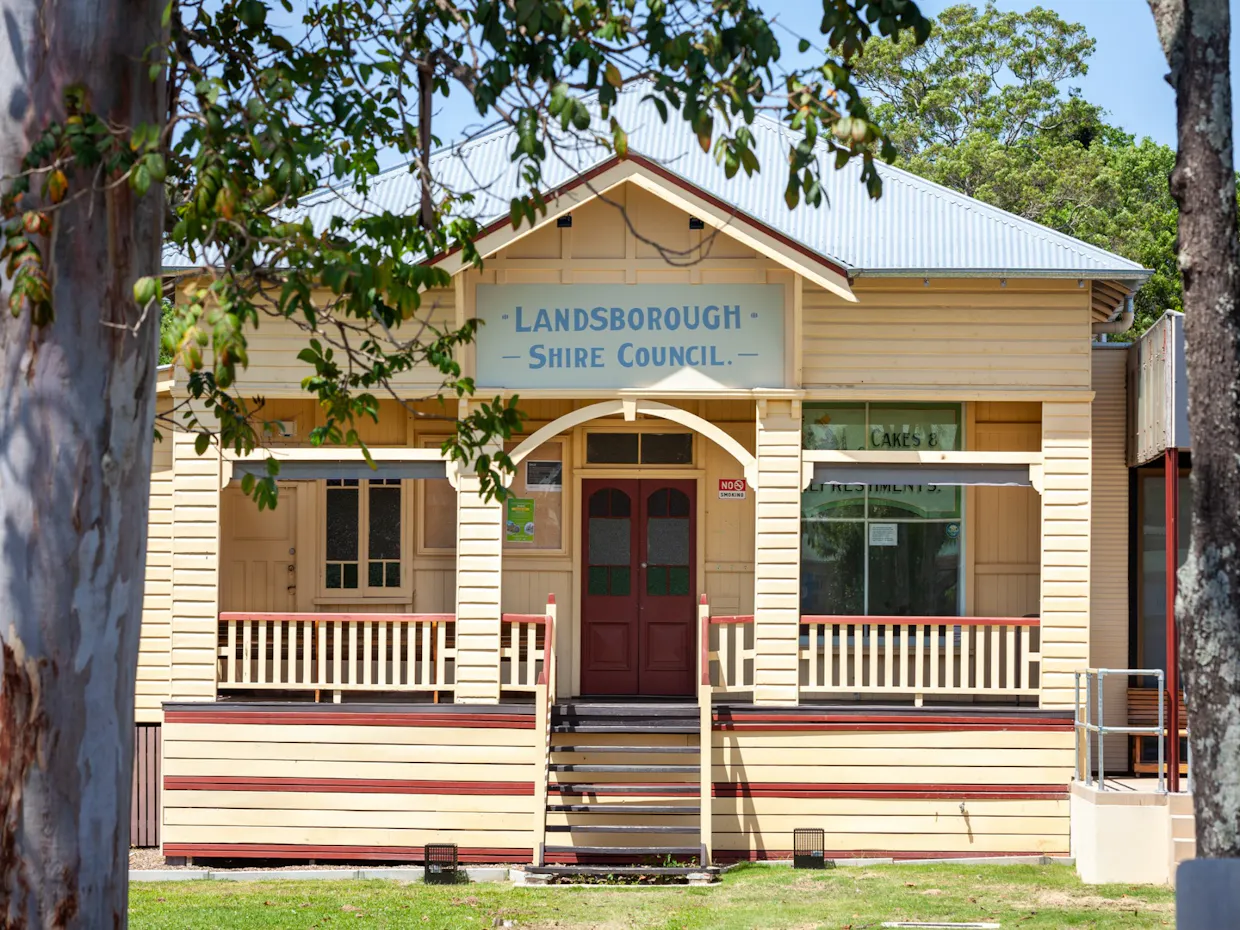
<point>890,722</point>
<point>343,853</point>
<point>345,785</point>
<point>719,621</point>
<point>866,620</point>
<point>346,718</point>
<point>889,791</point>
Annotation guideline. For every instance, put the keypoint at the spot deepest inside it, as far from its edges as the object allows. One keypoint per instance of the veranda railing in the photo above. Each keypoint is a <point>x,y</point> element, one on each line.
<point>920,655</point>
<point>336,652</point>
<point>897,656</point>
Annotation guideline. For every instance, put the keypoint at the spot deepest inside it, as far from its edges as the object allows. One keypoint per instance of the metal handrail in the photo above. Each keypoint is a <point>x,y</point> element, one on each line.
<point>1093,682</point>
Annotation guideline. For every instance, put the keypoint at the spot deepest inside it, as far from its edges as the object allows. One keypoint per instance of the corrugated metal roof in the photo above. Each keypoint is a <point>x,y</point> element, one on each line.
<point>916,227</point>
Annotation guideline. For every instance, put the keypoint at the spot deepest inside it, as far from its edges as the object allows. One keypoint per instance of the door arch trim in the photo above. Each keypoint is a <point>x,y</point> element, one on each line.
<point>650,408</point>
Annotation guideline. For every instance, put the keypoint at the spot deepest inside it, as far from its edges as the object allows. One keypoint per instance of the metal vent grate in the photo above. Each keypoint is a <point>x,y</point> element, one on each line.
<point>807,848</point>
<point>441,863</point>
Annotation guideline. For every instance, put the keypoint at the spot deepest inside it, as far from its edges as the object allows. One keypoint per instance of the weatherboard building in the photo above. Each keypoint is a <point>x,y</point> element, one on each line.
<point>812,531</point>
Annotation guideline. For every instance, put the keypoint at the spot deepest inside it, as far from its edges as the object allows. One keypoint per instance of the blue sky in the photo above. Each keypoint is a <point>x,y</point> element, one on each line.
<point>1126,72</point>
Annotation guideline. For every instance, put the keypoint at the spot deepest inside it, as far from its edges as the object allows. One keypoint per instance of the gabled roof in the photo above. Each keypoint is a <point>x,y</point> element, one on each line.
<point>915,228</point>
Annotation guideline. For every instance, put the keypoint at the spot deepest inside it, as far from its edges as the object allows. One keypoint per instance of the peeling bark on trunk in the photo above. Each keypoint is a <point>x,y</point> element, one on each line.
<point>76,416</point>
<point>1195,36</point>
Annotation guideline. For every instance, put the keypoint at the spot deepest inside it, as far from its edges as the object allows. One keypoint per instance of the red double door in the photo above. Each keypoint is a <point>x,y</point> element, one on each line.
<point>639,557</point>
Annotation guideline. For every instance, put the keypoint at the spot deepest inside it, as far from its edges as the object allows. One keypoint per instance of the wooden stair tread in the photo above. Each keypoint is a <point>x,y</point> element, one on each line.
<point>623,850</point>
<point>685,750</point>
<point>621,728</point>
<point>618,828</point>
<point>640,769</point>
<point>609,809</point>
<point>622,788</point>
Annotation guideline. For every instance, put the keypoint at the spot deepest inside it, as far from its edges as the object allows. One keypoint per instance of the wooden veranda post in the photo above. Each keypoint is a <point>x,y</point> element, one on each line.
<point>705,732</point>
<point>1172,722</point>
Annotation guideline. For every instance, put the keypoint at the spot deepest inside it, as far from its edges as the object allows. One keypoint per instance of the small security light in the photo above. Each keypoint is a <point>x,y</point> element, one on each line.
<point>565,221</point>
<point>695,223</point>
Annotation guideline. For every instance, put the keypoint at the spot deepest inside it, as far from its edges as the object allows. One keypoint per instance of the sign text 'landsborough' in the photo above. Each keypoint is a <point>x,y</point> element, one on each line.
<point>674,336</point>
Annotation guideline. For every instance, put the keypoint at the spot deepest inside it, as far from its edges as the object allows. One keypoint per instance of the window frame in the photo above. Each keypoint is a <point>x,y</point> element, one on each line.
<point>403,593</point>
<point>866,519</point>
<point>659,426</point>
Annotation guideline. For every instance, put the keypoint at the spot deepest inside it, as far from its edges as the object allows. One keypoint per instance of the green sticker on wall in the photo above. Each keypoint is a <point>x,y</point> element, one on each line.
<point>519,526</point>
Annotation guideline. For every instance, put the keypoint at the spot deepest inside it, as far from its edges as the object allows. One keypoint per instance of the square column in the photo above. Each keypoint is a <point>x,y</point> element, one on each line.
<point>195,568</point>
<point>479,560</point>
<point>777,554</point>
<point>1067,444</point>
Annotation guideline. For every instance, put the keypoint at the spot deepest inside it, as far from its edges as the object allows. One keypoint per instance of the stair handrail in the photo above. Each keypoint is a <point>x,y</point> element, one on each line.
<point>705,734</point>
<point>544,698</point>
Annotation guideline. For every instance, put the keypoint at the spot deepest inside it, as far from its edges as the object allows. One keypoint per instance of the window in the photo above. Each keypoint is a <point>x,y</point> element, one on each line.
<point>363,528</point>
<point>607,448</point>
<point>881,550</point>
<point>534,514</point>
<point>883,427</point>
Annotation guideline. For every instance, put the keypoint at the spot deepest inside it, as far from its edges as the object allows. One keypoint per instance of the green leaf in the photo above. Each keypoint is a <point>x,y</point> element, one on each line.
<point>201,443</point>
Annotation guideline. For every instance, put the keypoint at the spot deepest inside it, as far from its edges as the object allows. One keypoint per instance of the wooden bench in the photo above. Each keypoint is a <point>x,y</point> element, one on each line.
<point>1143,712</point>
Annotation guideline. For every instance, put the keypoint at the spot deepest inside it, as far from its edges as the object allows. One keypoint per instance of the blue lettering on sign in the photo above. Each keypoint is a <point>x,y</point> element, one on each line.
<point>634,319</point>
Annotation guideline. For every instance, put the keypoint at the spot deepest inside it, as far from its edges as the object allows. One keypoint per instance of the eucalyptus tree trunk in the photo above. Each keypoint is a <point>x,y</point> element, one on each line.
<point>1195,36</point>
<point>76,419</point>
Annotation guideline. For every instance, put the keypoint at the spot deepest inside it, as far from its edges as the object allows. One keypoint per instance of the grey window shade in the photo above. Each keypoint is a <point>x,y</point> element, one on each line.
<point>993,475</point>
<point>312,471</point>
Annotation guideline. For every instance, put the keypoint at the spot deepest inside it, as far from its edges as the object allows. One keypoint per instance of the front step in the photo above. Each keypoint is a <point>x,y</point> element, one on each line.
<point>672,788</point>
<point>619,809</point>
<point>622,850</point>
<point>684,750</point>
<point>619,828</point>
<point>620,763</point>
<point>629,769</point>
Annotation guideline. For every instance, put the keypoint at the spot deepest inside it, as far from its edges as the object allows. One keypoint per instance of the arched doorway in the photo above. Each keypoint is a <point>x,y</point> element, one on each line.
<point>637,530</point>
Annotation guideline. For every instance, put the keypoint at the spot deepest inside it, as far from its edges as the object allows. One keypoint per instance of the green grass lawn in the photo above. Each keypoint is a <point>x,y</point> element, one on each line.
<point>1015,896</point>
<point>1026,897</point>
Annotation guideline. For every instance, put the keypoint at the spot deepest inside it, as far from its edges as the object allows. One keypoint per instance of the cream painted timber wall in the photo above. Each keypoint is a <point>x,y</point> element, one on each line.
<point>777,554</point>
<point>1108,601</point>
<point>890,791</point>
<point>1030,335</point>
<point>195,566</point>
<point>1067,451</point>
<point>340,766</point>
<point>1003,523</point>
<point>274,370</point>
<point>155,645</point>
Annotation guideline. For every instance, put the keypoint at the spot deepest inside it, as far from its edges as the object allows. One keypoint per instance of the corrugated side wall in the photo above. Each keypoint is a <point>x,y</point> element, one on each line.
<point>361,783</point>
<point>1108,639</point>
<point>895,784</point>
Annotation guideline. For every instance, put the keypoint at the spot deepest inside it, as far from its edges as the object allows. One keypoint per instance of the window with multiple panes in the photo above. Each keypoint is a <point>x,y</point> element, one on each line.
<point>881,550</point>
<point>614,448</point>
<point>364,534</point>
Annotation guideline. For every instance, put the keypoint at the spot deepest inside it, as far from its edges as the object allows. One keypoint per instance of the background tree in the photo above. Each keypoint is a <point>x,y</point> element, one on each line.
<point>986,107</point>
<point>240,110</point>
<point>1195,35</point>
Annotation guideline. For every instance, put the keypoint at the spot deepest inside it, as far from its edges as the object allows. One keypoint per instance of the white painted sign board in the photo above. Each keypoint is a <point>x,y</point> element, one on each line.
<point>884,534</point>
<point>687,337</point>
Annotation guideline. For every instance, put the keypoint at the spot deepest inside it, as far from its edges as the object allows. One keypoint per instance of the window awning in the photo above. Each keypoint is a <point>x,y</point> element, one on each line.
<point>946,474</point>
<point>314,470</point>
<point>302,463</point>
